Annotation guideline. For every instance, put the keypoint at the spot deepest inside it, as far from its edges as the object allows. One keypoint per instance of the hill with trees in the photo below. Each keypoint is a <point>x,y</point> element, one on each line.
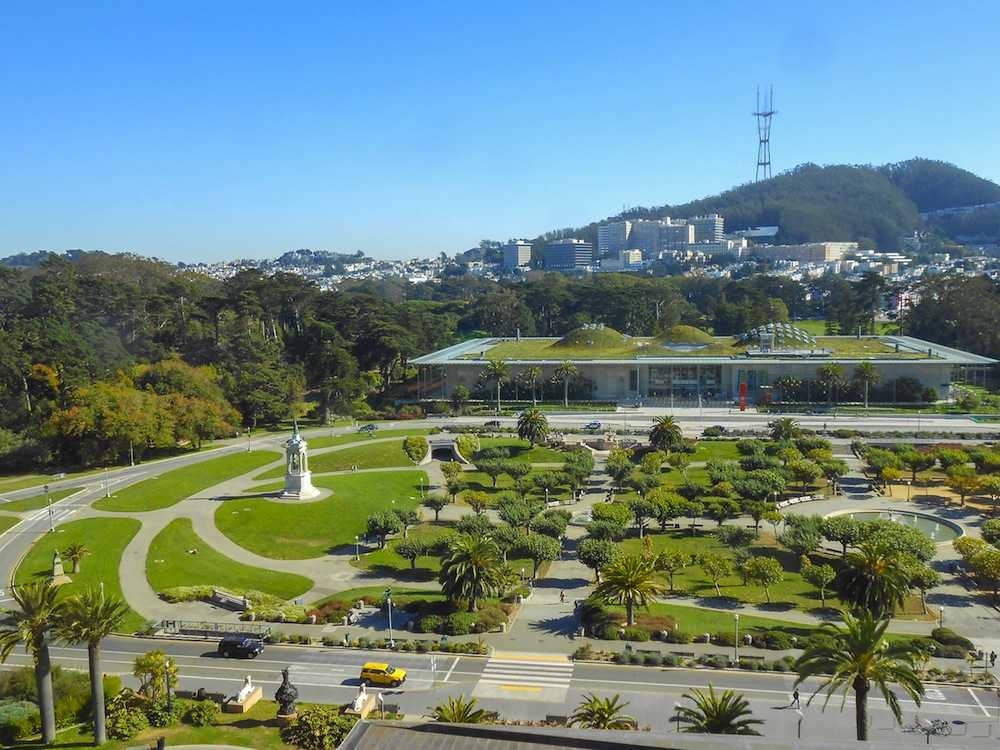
<point>874,206</point>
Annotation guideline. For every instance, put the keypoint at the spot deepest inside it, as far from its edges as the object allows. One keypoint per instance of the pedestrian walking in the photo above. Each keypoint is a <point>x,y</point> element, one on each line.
<point>562,597</point>
<point>795,699</point>
<point>993,658</point>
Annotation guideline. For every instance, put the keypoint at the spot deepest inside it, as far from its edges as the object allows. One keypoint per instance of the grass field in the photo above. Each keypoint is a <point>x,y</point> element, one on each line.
<point>106,538</point>
<point>521,450</point>
<point>36,502</point>
<point>169,564</point>
<point>299,531</point>
<point>170,488</point>
<point>371,456</point>
<point>8,522</point>
<point>400,595</point>
<point>355,437</point>
<point>695,620</point>
<point>792,592</point>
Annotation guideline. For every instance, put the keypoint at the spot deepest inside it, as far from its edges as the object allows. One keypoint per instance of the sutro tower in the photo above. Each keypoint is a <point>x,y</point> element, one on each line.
<point>764,133</point>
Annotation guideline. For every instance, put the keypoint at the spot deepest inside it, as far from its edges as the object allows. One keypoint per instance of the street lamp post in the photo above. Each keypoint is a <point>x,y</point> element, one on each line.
<point>170,705</point>
<point>248,440</point>
<point>421,486</point>
<point>131,454</point>
<point>907,490</point>
<point>48,503</point>
<point>942,617</point>
<point>388,602</point>
<point>677,715</point>
<point>801,715</point>
<point>357,547</point>
<point>736,619</point>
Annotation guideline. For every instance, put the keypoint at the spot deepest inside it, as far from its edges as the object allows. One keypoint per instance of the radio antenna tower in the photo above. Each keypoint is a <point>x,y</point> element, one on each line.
<point>763,116</point>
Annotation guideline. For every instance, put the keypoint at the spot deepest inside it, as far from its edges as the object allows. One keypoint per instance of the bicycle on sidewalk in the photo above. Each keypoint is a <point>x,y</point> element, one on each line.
<point>936,727</point>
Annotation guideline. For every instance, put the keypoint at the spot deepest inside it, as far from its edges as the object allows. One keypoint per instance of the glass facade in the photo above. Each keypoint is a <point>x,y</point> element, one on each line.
<point>685,381</point>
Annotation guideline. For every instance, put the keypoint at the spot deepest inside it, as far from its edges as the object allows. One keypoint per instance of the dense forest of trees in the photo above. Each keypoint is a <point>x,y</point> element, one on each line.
<point>106,355</point>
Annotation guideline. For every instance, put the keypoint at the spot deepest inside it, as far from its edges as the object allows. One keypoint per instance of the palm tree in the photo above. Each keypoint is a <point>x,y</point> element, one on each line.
<point>532,426</point>
<point>602,713</point>
<point>497,372</point>
<point>29,626</point>
<point>665,433</point>
<point>471,569</point>
<point>459,711</point>
<point>866,373</point>
<point>75,552</point>
<point>715,713</point>
<point>529,376</point>
<point>785,428</point>
<point>859,655</point>
<point>630,580</point>
<point>89,618</point>
<point>830,374</point>
<point>874,578</point>
<point>566,371</point>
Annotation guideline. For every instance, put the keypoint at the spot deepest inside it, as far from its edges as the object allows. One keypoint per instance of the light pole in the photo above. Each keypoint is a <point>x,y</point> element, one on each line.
<point>388,602</point>
<point>357,547</point>
<point>677,715</point>
<point>170,705</point>
<point>941,624</point>
<point>801,715</point>
<point>421,486</point>
<point>776,498</point>
<point>248,440</point>
<point>131,454</point>
<point>48,503</point>
<point>736,619</point>
<point>907,490</point>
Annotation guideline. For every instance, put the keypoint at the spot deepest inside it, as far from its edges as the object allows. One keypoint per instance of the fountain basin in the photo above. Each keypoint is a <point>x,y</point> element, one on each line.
<point>938,530</point>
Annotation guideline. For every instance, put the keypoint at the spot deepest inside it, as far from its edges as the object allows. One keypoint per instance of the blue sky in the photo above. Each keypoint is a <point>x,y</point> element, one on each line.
<point>210,131</point>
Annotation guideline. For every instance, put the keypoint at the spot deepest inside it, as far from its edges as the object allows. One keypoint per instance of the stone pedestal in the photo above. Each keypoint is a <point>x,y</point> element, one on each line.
<point>366,707</point>
<point>232,706</point>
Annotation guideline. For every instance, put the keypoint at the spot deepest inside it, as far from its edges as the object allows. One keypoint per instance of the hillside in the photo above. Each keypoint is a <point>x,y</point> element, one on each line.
<point>873,205</point>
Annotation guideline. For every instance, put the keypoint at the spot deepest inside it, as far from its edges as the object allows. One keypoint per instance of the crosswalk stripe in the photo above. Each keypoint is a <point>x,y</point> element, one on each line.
<point>527,673</point>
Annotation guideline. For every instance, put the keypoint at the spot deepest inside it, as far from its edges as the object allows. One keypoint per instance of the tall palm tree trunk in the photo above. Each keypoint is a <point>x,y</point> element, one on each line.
<point>498,398</point>
<point>861,688</point>
<point>565,392</point>
<point>97,693</point>
<point>630,611</point>
<point>46,703</point>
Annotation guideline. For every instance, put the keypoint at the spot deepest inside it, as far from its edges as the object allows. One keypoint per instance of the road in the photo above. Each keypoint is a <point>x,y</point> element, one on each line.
<point>533,687</point>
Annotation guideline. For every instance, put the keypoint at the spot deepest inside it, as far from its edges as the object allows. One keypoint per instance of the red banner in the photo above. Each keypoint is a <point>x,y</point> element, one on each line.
<point>743,396</point>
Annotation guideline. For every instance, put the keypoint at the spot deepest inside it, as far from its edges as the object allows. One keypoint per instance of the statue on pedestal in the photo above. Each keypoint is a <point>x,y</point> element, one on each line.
<point>286,695</point>
<point>359,700</point>
<point>245,690</point>
<point>59,576</point>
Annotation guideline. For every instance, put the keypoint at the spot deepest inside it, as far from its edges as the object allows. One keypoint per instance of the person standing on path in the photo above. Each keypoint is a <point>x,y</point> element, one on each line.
<point>562,597</point>
<point>795,699</point>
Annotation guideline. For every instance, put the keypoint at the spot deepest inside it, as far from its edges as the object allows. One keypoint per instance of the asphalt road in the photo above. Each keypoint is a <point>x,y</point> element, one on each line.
<point>534,687</point>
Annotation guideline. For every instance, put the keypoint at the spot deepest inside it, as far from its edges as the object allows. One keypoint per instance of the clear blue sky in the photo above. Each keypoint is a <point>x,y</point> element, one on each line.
<point>216,130</point>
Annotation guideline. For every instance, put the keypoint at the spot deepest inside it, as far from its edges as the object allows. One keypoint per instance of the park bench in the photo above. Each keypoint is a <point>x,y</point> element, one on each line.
<point>229,601</point>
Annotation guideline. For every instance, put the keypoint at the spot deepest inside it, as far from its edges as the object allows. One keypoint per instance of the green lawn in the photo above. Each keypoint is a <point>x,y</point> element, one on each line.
<point>715,449</point>
<point>170,488</point>
<point>522,450</point>
<point>255,729</point>
<point>37,501</point>
<point>299,531</point>
<point>8,522</point>
<point>386,562</point>
<point>330,441</point>
<point>792,592</point>
<point>106,538</point>
<point>169,564</point>
<point>371,456</point>
<point>400,595</point>
<point>695,620</point>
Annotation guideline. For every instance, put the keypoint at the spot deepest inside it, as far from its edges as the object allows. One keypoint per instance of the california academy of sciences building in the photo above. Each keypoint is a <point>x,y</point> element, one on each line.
<point>776,361</point>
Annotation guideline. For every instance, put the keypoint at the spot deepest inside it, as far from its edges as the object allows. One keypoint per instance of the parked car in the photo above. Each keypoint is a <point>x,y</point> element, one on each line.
<point>494,423</point>
<point>368,428</point>
<point>378,673</point>
<point>595,425</point>
<point>246,648</point>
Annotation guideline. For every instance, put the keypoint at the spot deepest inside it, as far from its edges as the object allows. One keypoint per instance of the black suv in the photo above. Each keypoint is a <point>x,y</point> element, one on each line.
<point>248,648</point>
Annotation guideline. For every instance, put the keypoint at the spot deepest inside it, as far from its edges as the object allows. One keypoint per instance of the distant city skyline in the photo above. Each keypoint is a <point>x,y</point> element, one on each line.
<point>206,132</point>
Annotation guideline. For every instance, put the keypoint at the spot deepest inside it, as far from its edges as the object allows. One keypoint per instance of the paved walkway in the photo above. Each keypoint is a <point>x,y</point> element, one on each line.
<point>544,623</point>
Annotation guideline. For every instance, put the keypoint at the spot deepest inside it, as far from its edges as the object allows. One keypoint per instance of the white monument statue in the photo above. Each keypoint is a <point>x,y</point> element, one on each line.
<point>359,700</point>
<point>245,690</point>
<point>298,478</point>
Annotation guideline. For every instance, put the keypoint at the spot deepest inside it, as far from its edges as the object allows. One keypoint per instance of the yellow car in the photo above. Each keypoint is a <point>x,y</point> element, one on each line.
<point>377,673</point>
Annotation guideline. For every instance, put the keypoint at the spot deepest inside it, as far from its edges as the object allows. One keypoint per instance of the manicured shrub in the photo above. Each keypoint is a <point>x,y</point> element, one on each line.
<point>18,719</point>
<point>459,623</point>
<point>124,717</point>
<point>429,624</point>
<point>203,713</point>
<point>724,638</point>
<point>610,632</point>
<point>634,634</point>
<point>670,660</point>
<point>948,637</point>
<point>652,660</point>
<point>318,729</point>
